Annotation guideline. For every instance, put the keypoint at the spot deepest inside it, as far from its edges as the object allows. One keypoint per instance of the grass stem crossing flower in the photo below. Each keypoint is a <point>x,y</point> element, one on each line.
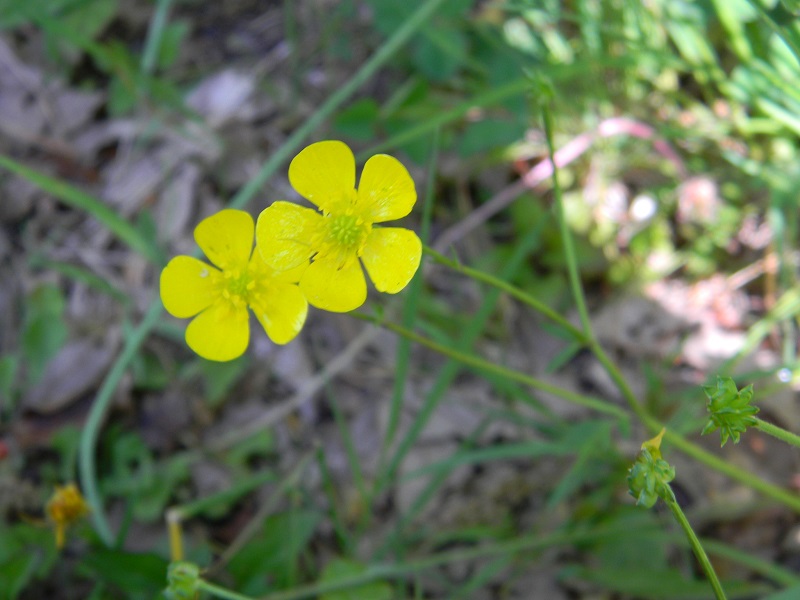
<point>342,235</point>
<point>218,296</point>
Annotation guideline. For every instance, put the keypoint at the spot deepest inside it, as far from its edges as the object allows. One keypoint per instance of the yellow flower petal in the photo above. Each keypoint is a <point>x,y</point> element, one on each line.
<point>186,286</point>
<point>283,313</point>
<point>324,173</point>
<point>290,275</point>
<point>219,332</point>
<point>284,232</point>
<point>329,287</point>
<point>226,237</point>
<point>391,256</point>
<point>386,190</point>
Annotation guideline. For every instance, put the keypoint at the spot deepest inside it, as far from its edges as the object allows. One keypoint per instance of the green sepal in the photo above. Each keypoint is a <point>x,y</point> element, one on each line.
<point>648,479</point>
<point>183,580</point>
<point>729,409</point>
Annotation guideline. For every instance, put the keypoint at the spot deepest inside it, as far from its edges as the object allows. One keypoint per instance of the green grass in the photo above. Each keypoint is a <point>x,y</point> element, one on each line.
<point>469,98</point>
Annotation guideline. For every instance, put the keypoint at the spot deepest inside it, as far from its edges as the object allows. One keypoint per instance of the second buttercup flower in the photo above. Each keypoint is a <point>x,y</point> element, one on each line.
<point>342,235</point>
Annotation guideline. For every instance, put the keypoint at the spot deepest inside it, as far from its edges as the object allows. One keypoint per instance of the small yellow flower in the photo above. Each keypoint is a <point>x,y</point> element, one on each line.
<point>334,240</point>
<point>221,296</point>
<point>65,507</point>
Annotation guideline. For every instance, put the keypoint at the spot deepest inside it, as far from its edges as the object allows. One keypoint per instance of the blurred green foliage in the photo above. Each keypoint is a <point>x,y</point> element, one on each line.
<point>717,83</point>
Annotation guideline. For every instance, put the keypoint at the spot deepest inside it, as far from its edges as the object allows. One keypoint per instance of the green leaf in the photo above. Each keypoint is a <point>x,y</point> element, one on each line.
<point>272,557</point>
<point>646,583</point>
<point>791,593</point>
<point>9,365</point>
<point>563,357</point>
<point>339,569</point>
<point>489,134</point>
<point>357,122</point>
<point>149,372</point>
<point>77,199</point>
<point>26,552</point>
<point>174,36</point>
<point>220,377</point>
<point>253,446</point>
<point>440,52</point>
<point>138,575</point>
<point>66,441</point>
<point>591,440</point>
<point>15,574</point>
<point>135,476</point>
<point>43,331</point>
<point>87,18</point>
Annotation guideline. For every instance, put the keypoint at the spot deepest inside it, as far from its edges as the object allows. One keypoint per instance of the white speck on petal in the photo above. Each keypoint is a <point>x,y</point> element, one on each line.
<point>204,273</point>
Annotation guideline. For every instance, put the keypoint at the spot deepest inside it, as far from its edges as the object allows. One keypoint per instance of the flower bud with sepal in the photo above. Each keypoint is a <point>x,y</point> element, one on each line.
<point>649,477</point>
<point>729,409</point>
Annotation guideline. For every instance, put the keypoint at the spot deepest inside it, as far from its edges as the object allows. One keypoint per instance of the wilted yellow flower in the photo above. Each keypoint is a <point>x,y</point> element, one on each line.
<point>653,445</point>
<point>221,296</point>
<point>65,507</point>
<point>336,239</point>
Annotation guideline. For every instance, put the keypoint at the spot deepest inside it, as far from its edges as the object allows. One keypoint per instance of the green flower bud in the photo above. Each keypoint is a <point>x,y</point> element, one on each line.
<point>183,579</point>
<point>729,409</point>
<point>649,477</point>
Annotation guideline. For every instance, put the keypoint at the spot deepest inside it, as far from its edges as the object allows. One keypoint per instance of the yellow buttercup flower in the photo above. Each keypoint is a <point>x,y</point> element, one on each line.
<point>343,234</point>
<point>65,507</point>
<point>220,295</point>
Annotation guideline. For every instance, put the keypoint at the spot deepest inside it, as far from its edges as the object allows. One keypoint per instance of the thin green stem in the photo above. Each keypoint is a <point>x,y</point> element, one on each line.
<point>566,236</point>
<point>395,571</point>
<point>239,488</point>
<point>476,362</point>
<point>697,547</point>
<point>778,432</point>
<point>759,566</point>
<point>526,544</point>
<point>744,476</point>
<point>80,200</point>
<point>91,430</point>
<point>510,289</point>
<point>622,384</point>
<point>336,99</point>
<point>155,36</point>
<point>409,314</point>
<point>410,567</point>
<point>220,592</point>
<point>653,424</point>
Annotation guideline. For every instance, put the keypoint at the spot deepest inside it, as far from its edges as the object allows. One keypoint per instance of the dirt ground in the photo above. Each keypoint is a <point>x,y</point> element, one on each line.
<point>251,85</point>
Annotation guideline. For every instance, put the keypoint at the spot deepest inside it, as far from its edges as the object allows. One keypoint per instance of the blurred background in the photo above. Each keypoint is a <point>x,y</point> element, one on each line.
<point>124,123</point>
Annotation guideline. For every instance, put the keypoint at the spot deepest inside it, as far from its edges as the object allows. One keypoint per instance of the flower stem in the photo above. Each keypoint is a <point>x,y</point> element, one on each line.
<point>530,543</point>
<point>476,362</point>
<point>566,236</point>
<point>511,290</point>
<point>697,547</point>
<point>175,534</point>
<point>653,424</point>
<point>220,592</point>
<point>91,430</point>
<point>778,432</point>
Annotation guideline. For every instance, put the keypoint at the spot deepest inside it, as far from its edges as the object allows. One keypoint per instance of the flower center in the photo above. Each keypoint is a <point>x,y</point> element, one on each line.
<point>347,230</point>
<point>238,286</point>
